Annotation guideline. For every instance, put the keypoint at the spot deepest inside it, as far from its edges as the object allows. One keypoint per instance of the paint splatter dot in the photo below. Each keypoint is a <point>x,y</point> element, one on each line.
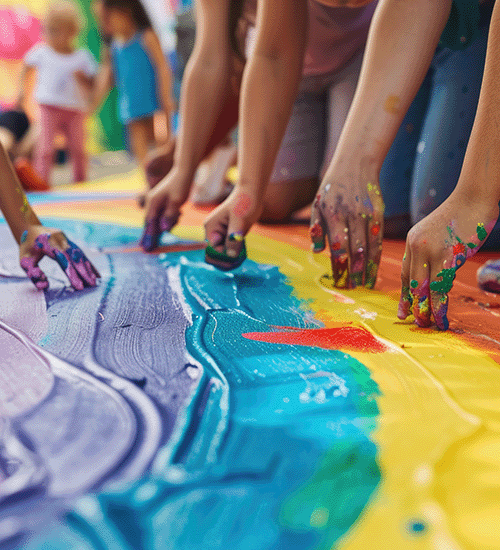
<point>375,230</point>
<point>425,265</point>
<point>404,257</point>
<point>417,527</point>
<point>481,232</point>
<point>346,230</point>
<point>432,192</point>
<point>319,517</point>
<point>421,147</point>
<point>413,283</point>
<point>327,187</point>
<point>391,105</point>
<point>458,249</point>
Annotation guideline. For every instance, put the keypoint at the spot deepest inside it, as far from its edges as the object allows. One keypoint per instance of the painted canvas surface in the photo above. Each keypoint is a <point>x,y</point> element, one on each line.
<point>176,406</point>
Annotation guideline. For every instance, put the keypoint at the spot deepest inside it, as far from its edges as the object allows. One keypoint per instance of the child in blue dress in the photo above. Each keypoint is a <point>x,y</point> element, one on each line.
<point>137,66</point>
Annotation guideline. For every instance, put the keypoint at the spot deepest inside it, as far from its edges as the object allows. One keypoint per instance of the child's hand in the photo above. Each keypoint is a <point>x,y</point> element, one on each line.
<point>349,210</point>
<point>162,207</point>
<point>435,248</point>
<point>39,241</point>
<point>228,224</point>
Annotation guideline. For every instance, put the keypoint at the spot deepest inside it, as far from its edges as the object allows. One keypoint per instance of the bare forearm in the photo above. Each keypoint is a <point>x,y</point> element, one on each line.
<point>401,44</point>
<point>13,202</point>
<point>204,89</point>
<point>269,88</point>
<point>480,175</point>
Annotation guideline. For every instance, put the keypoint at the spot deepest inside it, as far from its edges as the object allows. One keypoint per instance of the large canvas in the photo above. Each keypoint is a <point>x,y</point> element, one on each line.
<point>176,406</point>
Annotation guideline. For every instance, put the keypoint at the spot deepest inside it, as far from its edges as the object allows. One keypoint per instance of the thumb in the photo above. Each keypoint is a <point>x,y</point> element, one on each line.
<point>235,237</point>
<point>37,276</point>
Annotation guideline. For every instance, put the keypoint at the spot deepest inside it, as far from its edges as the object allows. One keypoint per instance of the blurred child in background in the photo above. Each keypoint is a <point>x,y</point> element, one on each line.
<point>137,66</point>
<point>61,71</point>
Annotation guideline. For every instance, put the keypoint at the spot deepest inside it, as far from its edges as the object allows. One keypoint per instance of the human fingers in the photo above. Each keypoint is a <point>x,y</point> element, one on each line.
<point>82,264</point>
<point>440,286</point>
<point>374,252</point>
<point>317,229</point>
<point>30,266</point>
<point>338,240</point>
<point>405,301</point>
<point>357,250</point>
<point>419,289</point>
<point>152,231</point>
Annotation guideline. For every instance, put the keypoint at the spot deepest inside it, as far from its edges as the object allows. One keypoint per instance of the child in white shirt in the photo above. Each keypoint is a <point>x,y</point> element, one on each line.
<point>63,74</point>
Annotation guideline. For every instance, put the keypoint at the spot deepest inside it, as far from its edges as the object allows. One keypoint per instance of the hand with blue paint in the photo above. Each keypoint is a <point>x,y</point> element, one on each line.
<point>349,212</point>
<point>35,240</point>
<point>38,241</point>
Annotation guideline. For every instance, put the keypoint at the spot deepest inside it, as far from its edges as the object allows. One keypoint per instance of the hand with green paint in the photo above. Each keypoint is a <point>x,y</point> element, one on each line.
<point>349,211</point>
<point>435,249</point>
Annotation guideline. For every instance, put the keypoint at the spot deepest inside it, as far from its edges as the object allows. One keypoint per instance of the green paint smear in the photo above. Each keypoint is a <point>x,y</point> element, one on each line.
<point>471,245</point>
<point>481,232</point>
<point>413,283</point>
<point>446,283</point>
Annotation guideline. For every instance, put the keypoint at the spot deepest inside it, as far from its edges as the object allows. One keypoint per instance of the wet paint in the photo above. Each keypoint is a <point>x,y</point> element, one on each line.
<point>222,261</point>
<point>347,338</point>
<point>392,105</point>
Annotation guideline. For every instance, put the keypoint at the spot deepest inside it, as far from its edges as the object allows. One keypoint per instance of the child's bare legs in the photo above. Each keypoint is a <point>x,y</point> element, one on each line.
<point>44,150</point>
<point>142,135</point>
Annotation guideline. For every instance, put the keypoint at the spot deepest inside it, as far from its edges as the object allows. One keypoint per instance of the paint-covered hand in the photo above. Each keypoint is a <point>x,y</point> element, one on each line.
<point>39,241</point>
<point>435,249</point>
<point>227,226</point>
<point>349,211</point>
<point>162,206</point>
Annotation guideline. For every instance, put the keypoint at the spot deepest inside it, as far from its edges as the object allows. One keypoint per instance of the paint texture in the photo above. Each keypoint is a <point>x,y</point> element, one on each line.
<point>277,445</point>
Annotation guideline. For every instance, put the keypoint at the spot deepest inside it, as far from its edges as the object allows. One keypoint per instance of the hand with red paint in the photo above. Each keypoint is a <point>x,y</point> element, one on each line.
<point>227,226</point>
<point>349,211</point>
<point>39,241</point>
<point>162,206</point>
<point>435,249</point>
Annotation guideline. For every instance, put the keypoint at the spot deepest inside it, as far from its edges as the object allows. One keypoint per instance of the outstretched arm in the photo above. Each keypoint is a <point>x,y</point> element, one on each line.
<point>441,243</point>
<point>270,84</point>
<point>349,207</point>
<point>206,85</point>
<point>103,81</point>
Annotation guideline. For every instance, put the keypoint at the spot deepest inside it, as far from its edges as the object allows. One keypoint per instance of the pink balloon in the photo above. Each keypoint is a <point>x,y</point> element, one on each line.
<point>19,31</point>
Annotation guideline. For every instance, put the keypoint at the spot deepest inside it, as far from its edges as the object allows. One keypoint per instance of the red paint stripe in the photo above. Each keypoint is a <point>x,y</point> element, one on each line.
<point>346,338</point>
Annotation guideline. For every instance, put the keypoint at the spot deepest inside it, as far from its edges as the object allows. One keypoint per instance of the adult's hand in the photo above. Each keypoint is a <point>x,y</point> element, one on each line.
<point>349,212</point>
<point>39,241</point>
<point>162,206</point>
<point>435,249</point>
<point>227,225</point>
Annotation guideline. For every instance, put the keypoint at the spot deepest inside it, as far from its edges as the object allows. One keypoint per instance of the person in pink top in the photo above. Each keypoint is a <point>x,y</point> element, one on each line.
<point>331,66</point>
<point>64,76</point>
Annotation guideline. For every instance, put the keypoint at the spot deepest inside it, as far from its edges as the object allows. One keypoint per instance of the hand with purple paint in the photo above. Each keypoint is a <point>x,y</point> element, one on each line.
<point>349,212</point>
<point>39,241</point>
<point>435,249</point>
<point>162,206</point>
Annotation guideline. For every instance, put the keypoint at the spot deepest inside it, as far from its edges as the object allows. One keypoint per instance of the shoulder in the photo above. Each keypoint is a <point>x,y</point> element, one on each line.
<point>149,38</point>
<point>36,52</point>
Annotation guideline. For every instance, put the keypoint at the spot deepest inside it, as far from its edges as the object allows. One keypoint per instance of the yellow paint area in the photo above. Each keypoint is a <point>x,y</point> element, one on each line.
<point>438,431</point>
